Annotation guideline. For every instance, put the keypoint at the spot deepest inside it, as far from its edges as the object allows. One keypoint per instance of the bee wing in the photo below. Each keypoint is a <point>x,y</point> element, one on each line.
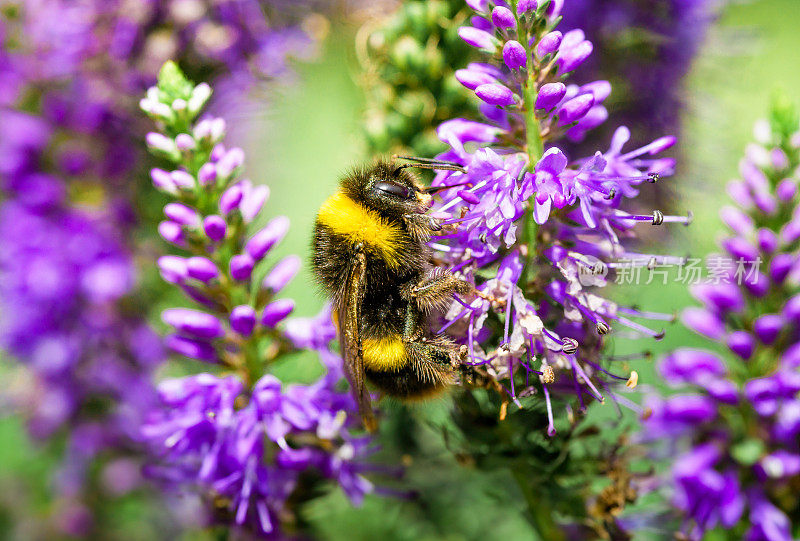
<point>349,314</point>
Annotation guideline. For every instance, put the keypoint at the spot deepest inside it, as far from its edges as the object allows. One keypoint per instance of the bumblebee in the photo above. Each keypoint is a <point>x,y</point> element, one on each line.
<point>371,257</point>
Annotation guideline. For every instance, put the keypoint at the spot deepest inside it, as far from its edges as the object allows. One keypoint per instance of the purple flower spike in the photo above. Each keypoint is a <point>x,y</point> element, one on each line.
<point>201,268</point>
<point>514,55</point>
<point>495,94</point>
<point>194,349</point>
<point>549,43</point>
<point>242,267</point>
<point>575,109</point>
<point>263,241</point>
<point>276,311</point>
<point>478,38</point>
<point>742,344</point>
<point>215,227</point>
<point>194,322</point>
<point>243,319</point>
<point>281,274</point>
<point>180,213</point>
<point>550,95</point>
<point>502,17</point>
<point>768,327</point>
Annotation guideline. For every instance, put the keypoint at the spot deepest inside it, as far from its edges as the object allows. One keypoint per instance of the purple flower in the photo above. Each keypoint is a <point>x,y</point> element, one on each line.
<point>754,432</point>
<point>536,230</point>
<point>245,439</point>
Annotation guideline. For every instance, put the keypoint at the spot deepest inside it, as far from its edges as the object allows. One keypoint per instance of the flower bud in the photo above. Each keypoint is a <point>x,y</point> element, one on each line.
<point>172,232</point>
<point>549,43</point>
<point>163,181</point>
<point>477,38</point>
<point>741,343</point>
<point>495,94</point>
<point>514,55</point>
<point>182,214</point>
<point>780,266</point>
<point>276,311</point>
<point>526,6</point>
<point>194,349</point>
<point>242,267</point>
<point>472,79</point>
<point>575,109</point>
<point>768,327</point>
<point>184,142</point>
<point>230,198</point>
<point>173,268</point>
<point>281,274</point>
<point>502,17</point>
<point>550,95</point>
<point>261,243</point>
<point>253,200</point>
<point>228,163</point>
<point>198,99</point>
<point>201,268</point>
<point>207,174</point>
<point>215,227</point>
<point>704,322</point>
<point>182,179</point>
<point>243,319</point>
<point>193,322</point>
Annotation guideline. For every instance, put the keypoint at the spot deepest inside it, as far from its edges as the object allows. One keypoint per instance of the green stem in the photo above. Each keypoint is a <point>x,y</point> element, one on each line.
<point>540,512</point>
<point>535,144</point>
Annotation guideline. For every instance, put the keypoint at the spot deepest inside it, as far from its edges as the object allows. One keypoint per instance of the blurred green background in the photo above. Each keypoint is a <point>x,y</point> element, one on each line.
<point>305,136</point>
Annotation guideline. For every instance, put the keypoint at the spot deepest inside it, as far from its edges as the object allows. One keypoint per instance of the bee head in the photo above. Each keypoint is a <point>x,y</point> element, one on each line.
<point>388,189</point>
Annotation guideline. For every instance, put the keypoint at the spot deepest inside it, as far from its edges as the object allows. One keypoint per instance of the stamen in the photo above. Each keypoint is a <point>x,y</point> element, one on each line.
<point>449,323</point>
<point>569,345</point>
<point>586,380</point>
<point>633,380</point>
<point>551,428</point>
<point>658,335</point>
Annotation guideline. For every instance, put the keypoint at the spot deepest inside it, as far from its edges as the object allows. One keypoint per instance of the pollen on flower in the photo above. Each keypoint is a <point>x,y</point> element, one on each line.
<point>633,380</point>
<point>548,375</point>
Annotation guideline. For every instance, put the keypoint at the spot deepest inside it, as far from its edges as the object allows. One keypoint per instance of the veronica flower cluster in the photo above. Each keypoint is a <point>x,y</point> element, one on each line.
<point>739,412</point>
<point>553,223</point>
<point>238,437</point>
<point>70,154</point>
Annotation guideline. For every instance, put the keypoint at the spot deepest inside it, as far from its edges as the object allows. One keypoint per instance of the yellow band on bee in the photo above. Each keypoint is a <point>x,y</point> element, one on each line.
<point>349,219</point>
<point>384,354</point>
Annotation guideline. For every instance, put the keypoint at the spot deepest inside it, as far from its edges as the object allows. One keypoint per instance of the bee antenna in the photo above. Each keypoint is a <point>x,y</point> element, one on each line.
<point>422,160</point>
<point>435,166</point>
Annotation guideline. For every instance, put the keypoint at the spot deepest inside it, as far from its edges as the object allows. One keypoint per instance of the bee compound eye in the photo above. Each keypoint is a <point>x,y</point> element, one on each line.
<point>394,189</point>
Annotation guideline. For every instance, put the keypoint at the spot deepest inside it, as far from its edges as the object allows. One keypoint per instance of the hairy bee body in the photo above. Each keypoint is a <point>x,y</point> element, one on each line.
<point>375,228</point>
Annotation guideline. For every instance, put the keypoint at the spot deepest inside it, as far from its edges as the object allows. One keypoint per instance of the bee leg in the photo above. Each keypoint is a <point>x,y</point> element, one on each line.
<point>421,226</point>
<point>437,290</point>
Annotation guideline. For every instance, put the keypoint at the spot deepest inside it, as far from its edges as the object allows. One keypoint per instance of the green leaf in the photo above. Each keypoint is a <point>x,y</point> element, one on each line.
<point>172,83</point>
<point>784,118</point>
<point>748,451</point>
